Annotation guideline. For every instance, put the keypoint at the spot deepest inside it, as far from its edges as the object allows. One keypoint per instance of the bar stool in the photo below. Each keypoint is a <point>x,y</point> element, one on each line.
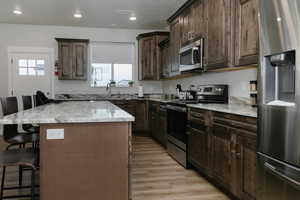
<point>25,157</point>
<point>34,100</point>
<point>11,135</point>
<point>27,104</point>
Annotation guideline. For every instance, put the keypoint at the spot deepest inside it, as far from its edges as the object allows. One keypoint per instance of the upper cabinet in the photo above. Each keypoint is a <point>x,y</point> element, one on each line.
<point>165,57</point>
<point>186,21</point>
<point>199,19</point>
<point>175,44</point>
<point>72,59</point>
<point>246,27</point>
<point>229,29</point>
<point>149,57</point>
<point>219,34</point>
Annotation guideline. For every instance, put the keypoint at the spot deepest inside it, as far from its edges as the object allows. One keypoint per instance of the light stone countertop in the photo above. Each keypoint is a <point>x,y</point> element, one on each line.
<point>236,109</point>
<point>70,112</point>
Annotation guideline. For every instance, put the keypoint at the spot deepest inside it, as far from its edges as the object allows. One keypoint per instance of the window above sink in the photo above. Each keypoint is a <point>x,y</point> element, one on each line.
<point>112,62</point>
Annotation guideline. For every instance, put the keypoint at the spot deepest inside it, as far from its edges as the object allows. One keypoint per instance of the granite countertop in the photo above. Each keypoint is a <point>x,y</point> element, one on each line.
<point>231,108</point>
<point>94,97</point>
<point>70,112</point>
<point>237,109</point>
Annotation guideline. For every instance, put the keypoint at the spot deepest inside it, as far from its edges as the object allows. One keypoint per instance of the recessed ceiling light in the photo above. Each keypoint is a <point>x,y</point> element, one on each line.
<point>132,18</point>
<point>18,12</point>
<point>77,15</point>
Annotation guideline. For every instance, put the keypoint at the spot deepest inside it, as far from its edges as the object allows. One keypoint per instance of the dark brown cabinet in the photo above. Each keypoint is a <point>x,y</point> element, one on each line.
<point>141,116</point>
<point>199,19</point>
<point>219,35</point>
<point>72,59</point>
<point>246,156</point>
<point>138,109</point>
<point>158,122</point>
<point>149,55</point>
<point>198,141</point>
<point>186,21</point>
<point>229,29</point>
<point>175,43</point>
<point>223,146</point>
<point>221,154</point>
<point>246,27</point>
<point>165,61</point>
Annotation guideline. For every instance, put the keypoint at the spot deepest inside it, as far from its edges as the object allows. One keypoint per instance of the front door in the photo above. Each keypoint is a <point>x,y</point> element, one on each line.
<point>30,72</point>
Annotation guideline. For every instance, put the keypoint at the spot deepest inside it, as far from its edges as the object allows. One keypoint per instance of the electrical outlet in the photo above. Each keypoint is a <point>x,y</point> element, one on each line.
<point>55,134</point>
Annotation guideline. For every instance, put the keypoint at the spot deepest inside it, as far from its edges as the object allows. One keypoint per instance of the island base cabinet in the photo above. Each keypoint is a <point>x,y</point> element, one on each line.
<point>90,161</point>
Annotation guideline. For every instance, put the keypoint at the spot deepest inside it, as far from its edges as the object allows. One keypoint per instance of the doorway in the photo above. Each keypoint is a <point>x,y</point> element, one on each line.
<point>30,70</point>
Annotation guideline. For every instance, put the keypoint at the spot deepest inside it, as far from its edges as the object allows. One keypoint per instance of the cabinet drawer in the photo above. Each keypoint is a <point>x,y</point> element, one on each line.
<point>238,118</point>
<point>236,124</point>
<point>200,117</point>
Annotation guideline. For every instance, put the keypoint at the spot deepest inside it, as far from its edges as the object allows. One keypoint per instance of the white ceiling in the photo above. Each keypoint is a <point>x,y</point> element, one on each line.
<point>151,14</point>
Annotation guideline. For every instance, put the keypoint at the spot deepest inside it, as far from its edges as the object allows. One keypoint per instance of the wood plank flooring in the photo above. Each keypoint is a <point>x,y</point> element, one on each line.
<point>156,176</point>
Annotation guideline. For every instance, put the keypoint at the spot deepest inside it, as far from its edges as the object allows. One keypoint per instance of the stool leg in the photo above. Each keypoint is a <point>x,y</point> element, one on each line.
<point>2,182</point>
<point>32,184</point>
<point>20,176</point>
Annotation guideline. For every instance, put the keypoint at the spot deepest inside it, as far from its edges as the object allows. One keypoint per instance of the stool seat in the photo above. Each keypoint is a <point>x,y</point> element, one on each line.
<point>18,157</point>
<point>31,128</point>
<point>23,138</point>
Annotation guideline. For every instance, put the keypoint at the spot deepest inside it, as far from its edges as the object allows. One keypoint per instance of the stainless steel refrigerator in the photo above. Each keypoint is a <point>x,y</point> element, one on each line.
<point>278,157</point>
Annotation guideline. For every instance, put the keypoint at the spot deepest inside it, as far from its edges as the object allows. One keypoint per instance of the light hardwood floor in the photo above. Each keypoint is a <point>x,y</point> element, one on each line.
<point>156,176</point>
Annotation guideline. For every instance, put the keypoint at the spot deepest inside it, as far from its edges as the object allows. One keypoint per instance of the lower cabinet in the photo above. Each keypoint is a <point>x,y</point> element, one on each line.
<point>223,147</point>
<point>158,122</point>
<point>221,155</point>
<point>247,163</point>
<point>198,141</point>
<point>198,148</point>
<point>139,110</point>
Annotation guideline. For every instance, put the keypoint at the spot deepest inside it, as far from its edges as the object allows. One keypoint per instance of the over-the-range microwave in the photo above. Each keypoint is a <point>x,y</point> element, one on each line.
<point>191,56</point>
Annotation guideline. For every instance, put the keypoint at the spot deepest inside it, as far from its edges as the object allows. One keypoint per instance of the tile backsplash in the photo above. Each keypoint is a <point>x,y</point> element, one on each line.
<point>238,82</point>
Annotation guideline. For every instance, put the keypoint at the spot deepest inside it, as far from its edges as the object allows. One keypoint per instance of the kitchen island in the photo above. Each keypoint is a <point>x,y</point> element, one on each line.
<point>84,149</point>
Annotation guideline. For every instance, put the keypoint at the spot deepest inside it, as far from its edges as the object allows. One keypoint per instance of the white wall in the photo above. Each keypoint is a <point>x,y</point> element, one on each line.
<point>238,81</point>
<point>43,36</point>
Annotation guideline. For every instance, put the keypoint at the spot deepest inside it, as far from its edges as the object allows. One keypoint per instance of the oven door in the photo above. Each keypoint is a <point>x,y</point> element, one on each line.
<point>177,121</point>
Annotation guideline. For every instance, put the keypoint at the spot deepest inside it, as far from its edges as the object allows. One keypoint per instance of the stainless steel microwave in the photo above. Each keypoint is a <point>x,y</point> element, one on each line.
<point>191,56</point>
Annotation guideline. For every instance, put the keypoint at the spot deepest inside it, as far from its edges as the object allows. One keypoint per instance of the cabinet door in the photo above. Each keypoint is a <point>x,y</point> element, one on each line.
<point>165,61</point>
<point>221,153</point>
<point>218,33</point>
<point>162,127</point>
<point>199,19</point>
<point>147,57</point>
<point>65,57</point>
<point>140,118</point>
<point>246,39</point>
<point>186,26</point>
<point>248,168</point>
<point>175,42</point>
<point>80,61</point>
<point>198,148</point>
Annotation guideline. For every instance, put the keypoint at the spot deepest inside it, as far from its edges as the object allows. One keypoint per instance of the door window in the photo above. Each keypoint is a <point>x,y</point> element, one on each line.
<point>31,67</point>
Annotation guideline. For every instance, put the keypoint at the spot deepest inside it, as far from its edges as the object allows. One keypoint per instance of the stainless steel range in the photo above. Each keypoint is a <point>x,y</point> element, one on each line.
<point>177,117</point>
<point>278,155</point>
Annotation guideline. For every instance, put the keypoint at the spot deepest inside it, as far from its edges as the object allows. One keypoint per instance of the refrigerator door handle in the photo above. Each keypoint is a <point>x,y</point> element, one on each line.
<point>281,175</point>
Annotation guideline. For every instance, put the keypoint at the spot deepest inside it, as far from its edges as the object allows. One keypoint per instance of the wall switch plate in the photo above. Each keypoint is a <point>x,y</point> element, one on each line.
<point>55,134</point>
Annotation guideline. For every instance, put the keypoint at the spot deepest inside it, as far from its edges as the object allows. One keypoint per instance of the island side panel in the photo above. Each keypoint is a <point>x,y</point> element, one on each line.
<point>91,162</point>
